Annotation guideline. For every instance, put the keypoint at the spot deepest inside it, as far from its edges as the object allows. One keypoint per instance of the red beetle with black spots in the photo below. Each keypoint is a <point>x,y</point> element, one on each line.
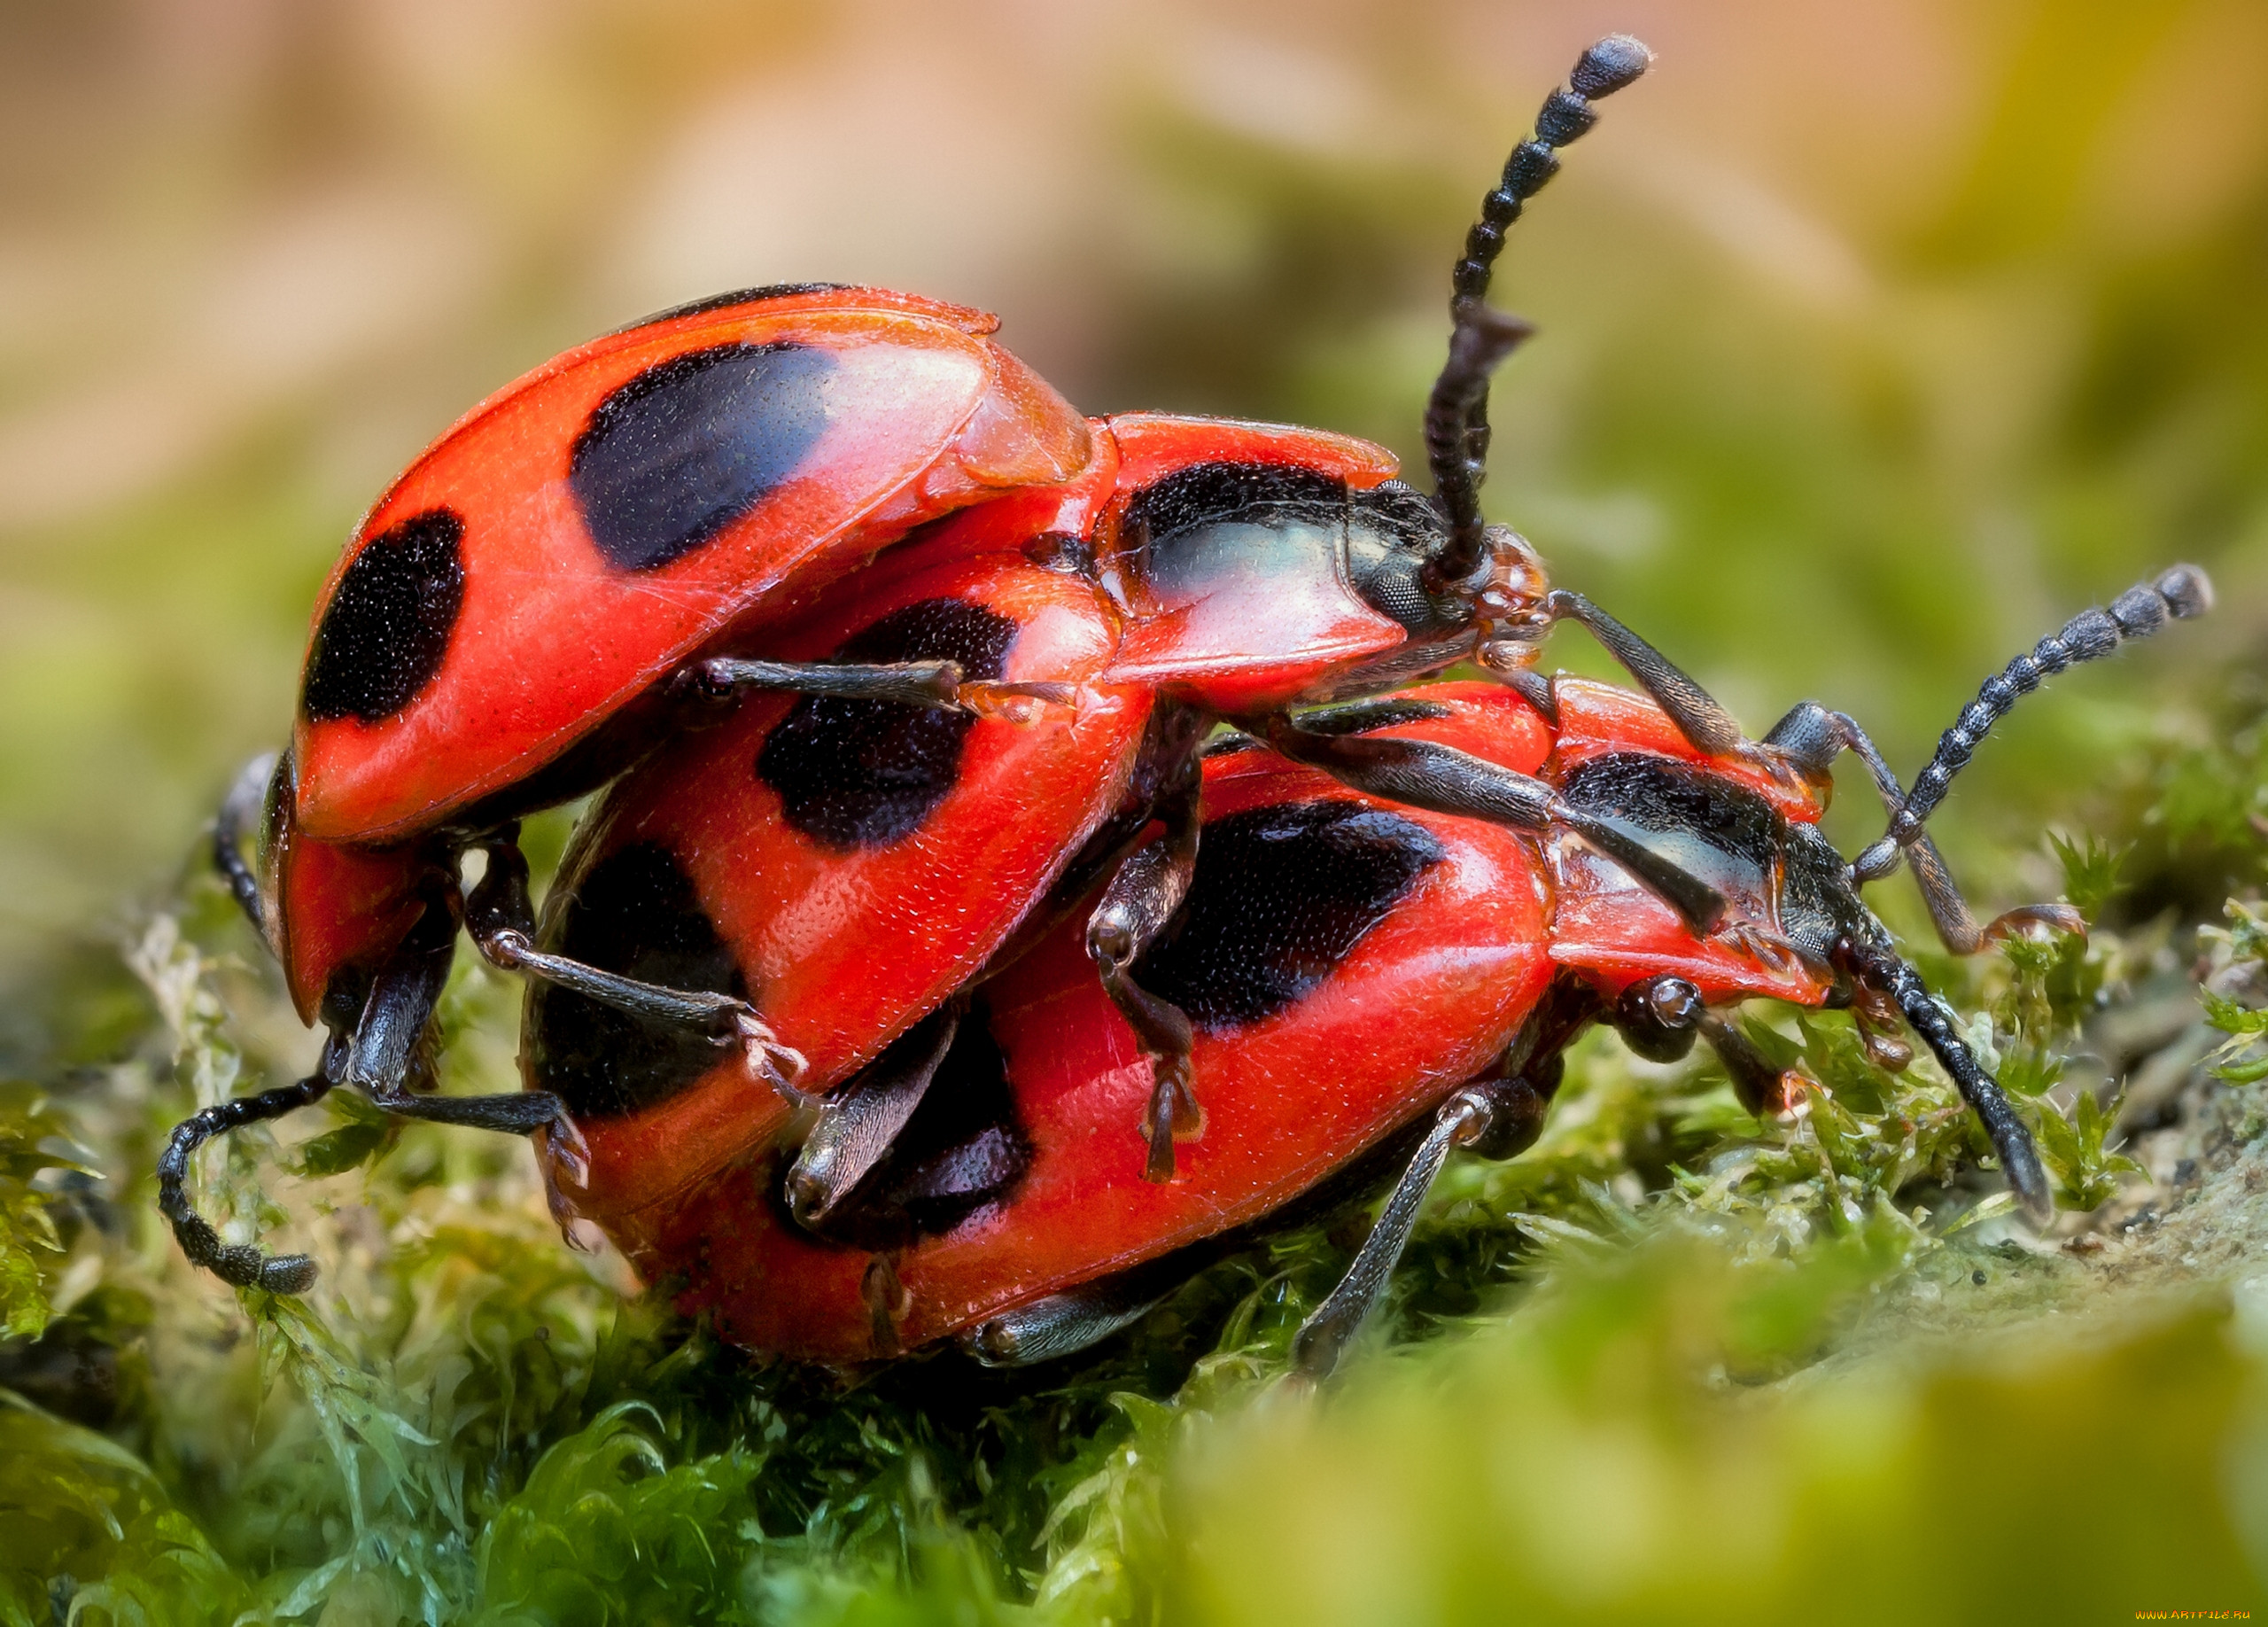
<point>990,723</point>
<point>1370,984</point>
<point>634,532</point>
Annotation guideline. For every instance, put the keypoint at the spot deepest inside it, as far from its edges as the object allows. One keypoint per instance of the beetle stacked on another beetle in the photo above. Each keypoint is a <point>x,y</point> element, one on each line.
<point>926,972</point>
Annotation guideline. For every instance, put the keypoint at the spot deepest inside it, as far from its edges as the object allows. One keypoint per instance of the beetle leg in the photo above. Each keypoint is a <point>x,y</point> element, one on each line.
<point>382,1051</point>
<point>887,1303</point>
<point>1506,1113</point>
<point>1141,897</point>
<point>1444,780</point>
<point>1761,1088</point>
<point>501,921</point>
<point>1067,1323</point>
<point>858,1122</point>
<point>911,684</point>
<point>1697,713</point>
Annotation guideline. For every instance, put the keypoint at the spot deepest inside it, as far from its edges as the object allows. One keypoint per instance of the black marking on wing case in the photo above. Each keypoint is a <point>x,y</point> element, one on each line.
<point>739,296</point>
<point>1281,896</point>
<point>386,631</point>
<point>856,774</point>
<point>671,458</point>
<point>634,912</point>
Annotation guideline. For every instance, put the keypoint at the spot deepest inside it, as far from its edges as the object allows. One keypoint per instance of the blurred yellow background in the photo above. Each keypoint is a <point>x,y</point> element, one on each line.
<point>1876,336</point>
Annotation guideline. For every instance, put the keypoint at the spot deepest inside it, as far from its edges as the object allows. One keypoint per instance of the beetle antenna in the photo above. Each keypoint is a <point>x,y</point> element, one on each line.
<point>245,1265</point>
<point>1881,966</point>
<point>2178,593</point>
<point>1457,415</point>
<point>238,810</point>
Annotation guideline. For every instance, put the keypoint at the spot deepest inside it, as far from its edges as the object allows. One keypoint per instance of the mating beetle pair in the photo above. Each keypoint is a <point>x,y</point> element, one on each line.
<point>833,914</point>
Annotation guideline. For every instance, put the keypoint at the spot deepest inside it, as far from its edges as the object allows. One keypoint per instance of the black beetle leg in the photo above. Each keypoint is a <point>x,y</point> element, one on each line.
<point>382,1050</point>
<point>858,1121</point>
<point>1141,897</point>
<point>1444,780</point>
<point>1698,715</point>
<point>500,919</point>
<point>910,683</point>
<point>1064,1324</point>
<point>1503,1116</point>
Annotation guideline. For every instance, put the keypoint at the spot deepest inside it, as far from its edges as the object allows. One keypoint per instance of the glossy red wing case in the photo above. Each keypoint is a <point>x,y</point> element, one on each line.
<point>588,526</point>
<point>848,911</point>
<point>1428,996</point>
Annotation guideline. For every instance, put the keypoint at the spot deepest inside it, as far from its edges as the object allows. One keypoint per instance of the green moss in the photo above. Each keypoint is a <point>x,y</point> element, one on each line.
<point>33,1146</point>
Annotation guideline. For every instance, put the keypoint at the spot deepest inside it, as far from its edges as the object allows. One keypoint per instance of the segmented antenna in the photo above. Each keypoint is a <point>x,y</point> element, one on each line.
<point>2180,592</point>
<point>1881,966</point>
<point>240,812</point>
<point>1457,415</point>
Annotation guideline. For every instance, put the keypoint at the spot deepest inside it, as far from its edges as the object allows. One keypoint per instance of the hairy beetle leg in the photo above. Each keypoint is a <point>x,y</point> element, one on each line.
<point>1501,1116</point>
<point>721,679</point>
<point>858,1122</point>
<point>1140,899</point>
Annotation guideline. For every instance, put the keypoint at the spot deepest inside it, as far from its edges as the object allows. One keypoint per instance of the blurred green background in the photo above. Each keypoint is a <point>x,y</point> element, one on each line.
<point>1875,338</point>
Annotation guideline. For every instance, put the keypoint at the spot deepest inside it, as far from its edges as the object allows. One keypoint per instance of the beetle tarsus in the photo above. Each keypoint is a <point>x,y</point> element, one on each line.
<point>780,1066</point>
<point>1173,1114</point>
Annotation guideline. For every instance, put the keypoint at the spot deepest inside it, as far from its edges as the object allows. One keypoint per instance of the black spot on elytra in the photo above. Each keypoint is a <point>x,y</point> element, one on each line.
<point>864,773</point>
<point>1281,895</point>
<point>633,913</point>
<point>740,296</point>
<point>1212,493</point>
<point>692,444</point>
<point>1728,835</point>
<point>385,630</point>
<point>962,1151</point>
